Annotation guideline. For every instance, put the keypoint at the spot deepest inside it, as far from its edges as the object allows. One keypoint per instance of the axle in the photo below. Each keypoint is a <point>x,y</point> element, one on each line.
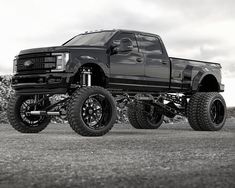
<point>45,113</point>
<point>169,109</point>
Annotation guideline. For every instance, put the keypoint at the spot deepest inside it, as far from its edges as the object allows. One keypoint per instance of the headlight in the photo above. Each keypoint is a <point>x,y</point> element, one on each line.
<point>61,61</point>
<point>15,65</point>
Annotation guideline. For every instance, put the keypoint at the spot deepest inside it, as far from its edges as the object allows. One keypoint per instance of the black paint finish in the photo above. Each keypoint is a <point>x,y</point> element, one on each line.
<point>145,67</point>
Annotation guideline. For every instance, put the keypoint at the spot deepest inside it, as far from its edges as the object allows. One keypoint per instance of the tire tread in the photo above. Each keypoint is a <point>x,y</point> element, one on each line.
<point>73,118</point>
<point>131,113</point>
<point>142,118</point>
<point>203,104</point>
<point>192,111</point>
<point>17,124</point>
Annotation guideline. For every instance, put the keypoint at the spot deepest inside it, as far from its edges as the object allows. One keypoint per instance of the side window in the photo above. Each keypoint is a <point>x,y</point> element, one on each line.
<point>150,44</point>
<point>117,39</point>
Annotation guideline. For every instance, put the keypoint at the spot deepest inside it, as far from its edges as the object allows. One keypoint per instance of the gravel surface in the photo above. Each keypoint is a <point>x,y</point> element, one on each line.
<point>172,156</point>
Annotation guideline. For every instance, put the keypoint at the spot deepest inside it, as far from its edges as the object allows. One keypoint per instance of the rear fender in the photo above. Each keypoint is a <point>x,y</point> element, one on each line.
<point>200,76</point>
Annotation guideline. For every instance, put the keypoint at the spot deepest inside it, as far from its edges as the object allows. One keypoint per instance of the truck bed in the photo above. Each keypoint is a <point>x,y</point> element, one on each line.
<point>185,71</point>
<point>192,60</point>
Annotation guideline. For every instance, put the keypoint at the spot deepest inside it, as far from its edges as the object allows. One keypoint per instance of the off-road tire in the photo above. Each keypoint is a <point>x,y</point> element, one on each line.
<point>143,118</point>
<point>192,111</point>
<point>75,111</point>
<point>14,117</point>
<point>212,111</point>
<point>131,113</point>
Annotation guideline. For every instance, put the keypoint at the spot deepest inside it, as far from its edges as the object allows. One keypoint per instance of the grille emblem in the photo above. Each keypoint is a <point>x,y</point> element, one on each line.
<point>28,63</point>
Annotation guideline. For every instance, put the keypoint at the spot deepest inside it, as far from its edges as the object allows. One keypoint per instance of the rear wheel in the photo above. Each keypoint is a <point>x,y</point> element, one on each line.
<point>21,120</point>
<point>192,111</point>
<point>91,111</point>
<point>148,120</point>
<point>211,111</point>
<point>131,113</point>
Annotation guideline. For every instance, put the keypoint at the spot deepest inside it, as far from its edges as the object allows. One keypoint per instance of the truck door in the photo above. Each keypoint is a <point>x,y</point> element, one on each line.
<point>157,63</point>
<point>126,68</point>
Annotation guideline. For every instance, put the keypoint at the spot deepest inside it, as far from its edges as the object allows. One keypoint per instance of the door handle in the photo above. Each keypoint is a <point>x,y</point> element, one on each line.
<point>164,62</point>
<point>138,59</point>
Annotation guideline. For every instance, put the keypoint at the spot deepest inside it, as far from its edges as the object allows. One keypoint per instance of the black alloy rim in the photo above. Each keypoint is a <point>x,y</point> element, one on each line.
<point>96,111</point>
<point>217,112</point>
<point>153,117</point>
<point>27,106</point>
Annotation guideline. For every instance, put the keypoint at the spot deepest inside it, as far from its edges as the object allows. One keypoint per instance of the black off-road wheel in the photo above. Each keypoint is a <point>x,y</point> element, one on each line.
<point>148,120</point>
<point>20,120</point>
<point>212,111</point>
<point>91,111</point>
<point>192,111</point>
<point>131,113</point>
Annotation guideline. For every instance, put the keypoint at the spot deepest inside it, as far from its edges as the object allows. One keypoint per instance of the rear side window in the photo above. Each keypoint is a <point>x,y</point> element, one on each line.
<point>132,37</point>
<point>150,44</point>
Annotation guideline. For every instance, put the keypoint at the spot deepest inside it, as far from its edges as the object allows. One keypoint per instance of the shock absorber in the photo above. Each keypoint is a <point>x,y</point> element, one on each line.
<point>86,77</point>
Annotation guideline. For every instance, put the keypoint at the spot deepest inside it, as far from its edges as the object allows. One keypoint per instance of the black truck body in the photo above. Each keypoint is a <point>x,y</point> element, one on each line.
<point>142,69</point>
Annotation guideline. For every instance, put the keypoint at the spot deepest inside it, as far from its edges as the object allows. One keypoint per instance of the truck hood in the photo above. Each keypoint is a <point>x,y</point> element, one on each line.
<point>58,49</point>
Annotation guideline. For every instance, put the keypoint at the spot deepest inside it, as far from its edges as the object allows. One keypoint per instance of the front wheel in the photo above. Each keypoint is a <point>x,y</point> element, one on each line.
<point>91,111</point>
<point>20,120</point>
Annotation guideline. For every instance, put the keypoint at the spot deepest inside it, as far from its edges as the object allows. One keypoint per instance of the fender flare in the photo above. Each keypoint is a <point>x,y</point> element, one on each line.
<point>78,64</point>
<point>199,77</point>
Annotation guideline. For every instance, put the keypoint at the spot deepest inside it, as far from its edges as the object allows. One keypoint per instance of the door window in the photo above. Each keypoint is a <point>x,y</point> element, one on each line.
<point>150,44</point>
<point>118,38</point>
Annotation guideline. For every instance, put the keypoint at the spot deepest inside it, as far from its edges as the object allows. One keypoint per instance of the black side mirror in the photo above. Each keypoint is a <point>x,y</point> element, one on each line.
<point>125,45</point>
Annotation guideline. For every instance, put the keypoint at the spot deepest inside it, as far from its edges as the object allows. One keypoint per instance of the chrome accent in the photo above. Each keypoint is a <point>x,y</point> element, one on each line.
<point>86,77</point>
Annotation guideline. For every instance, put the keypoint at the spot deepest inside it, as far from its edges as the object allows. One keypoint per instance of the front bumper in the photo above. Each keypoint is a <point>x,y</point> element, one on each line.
<point>50,83</point>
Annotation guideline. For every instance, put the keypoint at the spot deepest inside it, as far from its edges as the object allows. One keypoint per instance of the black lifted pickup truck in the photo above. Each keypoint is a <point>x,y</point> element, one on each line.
<point>96,71</point>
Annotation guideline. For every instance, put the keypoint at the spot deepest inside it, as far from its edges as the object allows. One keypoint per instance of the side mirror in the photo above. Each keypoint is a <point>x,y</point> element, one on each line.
<point>125,45</point>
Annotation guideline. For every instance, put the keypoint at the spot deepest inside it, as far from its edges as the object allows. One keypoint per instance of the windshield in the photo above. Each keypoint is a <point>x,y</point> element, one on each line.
<point>90,39</point>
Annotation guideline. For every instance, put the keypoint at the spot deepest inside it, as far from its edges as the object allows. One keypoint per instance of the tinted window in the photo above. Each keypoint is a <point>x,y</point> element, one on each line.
<point>90,39</point>
<point>117,39</point>
<point>149,44</point>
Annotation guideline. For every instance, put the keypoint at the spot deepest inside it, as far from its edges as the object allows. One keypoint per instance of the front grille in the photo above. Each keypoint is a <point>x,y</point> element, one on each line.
<point>35,62</point>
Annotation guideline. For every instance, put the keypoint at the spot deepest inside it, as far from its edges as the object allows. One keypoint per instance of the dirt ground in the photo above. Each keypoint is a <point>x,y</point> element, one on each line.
<point>172,156</point>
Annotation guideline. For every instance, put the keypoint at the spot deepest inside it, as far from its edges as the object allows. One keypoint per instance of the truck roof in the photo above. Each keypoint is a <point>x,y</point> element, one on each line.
<point>134,31</point>
<point>122,30</point>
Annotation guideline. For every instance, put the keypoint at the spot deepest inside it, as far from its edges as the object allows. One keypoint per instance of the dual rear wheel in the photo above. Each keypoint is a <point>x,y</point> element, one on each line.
<point>142,118</point>
<point>206,111</point>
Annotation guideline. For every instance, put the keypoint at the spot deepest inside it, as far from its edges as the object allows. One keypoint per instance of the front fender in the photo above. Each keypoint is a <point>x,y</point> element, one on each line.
<point>79,62</point>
